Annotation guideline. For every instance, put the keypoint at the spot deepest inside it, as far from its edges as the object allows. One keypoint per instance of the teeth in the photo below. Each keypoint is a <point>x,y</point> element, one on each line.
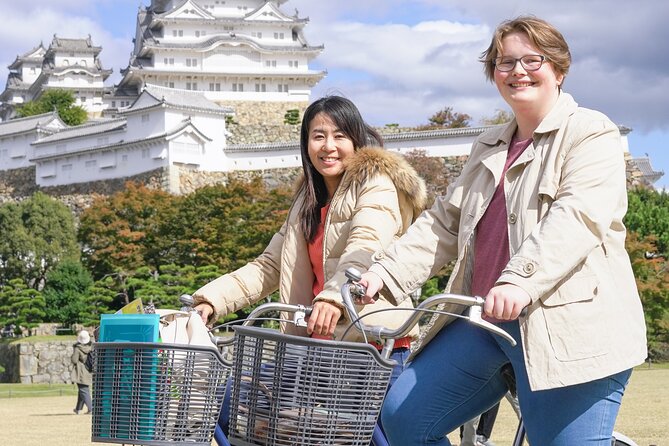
<point>522,84</point>
<point>329,159</point>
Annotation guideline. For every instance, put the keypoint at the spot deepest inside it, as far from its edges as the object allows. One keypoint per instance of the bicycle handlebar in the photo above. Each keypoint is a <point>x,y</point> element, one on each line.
<point>474,304</point>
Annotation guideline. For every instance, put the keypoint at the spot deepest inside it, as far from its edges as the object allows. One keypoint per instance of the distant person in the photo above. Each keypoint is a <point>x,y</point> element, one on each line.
<point>80,374</point>
<point>534,220</point>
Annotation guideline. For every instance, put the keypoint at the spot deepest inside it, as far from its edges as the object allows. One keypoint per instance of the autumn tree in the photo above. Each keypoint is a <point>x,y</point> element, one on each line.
<point>432,170</point>
<point>62,101</point>
<point>120,233</point>
<point>447,119</point>
<point>500,117</point>
<point>225,225</point>
<point>652,278</point>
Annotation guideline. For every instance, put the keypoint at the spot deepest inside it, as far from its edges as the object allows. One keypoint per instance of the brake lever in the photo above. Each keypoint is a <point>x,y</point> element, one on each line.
<point>300,316</point>
<point>476,317</point>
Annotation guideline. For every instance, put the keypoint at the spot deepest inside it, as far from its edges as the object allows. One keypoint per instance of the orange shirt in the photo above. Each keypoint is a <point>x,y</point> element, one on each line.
<point>316,253</point>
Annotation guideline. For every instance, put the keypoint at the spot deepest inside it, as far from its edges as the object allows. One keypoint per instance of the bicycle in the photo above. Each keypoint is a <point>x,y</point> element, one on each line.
<point>289,390</point>
<point>285,390</point>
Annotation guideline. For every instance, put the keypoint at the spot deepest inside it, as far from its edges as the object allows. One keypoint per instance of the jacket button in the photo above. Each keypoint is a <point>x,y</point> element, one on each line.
<point>513,218</point>
<point>380,255</point>
<point>528,268</point>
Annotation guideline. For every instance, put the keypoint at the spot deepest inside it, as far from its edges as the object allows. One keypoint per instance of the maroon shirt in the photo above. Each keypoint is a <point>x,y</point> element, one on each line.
<point>491,247</point>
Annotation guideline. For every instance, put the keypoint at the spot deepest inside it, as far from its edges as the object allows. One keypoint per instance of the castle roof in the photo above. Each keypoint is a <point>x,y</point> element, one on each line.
<point>36,54</point>
<point>221,39</point>
<point>176,98</point>
<point>183,125</point>
<point>59,44</point>
<point>91,127</point>
<point>27,124</point>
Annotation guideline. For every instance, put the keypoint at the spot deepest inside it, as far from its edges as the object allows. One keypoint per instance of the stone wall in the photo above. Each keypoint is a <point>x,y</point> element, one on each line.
<point>16,184</point>
<point>263,122</point>
<point>36,362</point>
<point>190,180</point>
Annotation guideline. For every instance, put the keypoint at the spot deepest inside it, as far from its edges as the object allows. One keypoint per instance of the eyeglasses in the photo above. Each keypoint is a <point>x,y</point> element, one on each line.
<point>531,62</point>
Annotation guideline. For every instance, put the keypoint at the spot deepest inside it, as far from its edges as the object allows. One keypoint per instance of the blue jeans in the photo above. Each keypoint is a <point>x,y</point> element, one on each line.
<point>457,376</point>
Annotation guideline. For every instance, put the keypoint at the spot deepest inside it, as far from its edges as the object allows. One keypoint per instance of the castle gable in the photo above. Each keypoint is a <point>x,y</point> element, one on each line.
<point>188,10</point>
<point>268,13</point>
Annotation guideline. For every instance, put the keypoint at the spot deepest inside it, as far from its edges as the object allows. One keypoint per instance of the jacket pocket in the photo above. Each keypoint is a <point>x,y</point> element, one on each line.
<point>573,314</point>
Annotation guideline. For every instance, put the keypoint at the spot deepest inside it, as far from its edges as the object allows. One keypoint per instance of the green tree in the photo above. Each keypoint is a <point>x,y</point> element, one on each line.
<point>15,244</point>
<point>292,117</point>
<point>37,234</point>
<point>21,305</point>
<point>60,100</point>
<point>65,293</point>
<point>648,214</point>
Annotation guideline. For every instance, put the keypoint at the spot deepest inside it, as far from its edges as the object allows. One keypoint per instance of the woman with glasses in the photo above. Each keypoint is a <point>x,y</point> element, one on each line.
<point>534,220</point>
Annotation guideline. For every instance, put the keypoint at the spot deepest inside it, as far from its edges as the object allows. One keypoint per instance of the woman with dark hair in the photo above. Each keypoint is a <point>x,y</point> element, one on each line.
<point>353,199</point>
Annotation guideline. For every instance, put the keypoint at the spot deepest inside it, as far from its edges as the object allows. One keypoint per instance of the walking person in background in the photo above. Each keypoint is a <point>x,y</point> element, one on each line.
<point>535,220</point>
<point>80,373</point>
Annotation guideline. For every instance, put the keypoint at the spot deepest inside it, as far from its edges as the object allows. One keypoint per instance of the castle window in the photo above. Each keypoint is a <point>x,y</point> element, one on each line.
<point>261,88</point>
<point>145,117</point>
<point>237,87</point>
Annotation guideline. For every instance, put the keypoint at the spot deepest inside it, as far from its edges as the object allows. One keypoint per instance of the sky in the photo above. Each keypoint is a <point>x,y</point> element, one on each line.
<point>401,61</point>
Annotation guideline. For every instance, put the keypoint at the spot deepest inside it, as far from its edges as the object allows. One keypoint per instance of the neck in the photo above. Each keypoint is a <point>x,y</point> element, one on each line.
<point>529,117</point>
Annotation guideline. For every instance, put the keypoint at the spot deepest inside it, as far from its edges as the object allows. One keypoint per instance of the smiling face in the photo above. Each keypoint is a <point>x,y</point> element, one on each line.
<point>328,147</point>
<point>528,93</point>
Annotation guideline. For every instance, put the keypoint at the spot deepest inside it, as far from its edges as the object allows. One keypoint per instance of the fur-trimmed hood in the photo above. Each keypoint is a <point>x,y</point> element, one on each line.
<point>370,161</point>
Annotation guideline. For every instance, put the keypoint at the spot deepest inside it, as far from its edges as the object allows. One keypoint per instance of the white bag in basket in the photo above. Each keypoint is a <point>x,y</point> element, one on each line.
<point>180,327</point>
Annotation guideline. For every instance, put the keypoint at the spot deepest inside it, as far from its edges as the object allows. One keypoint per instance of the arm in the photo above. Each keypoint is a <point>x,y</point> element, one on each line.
<point>243,287</point>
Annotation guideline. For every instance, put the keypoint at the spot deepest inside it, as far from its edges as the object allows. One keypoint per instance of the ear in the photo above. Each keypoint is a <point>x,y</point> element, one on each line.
<point>560,79</point>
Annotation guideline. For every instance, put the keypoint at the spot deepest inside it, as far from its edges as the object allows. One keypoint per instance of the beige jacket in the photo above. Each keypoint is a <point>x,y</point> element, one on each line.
<point>566,197</point>
<point>377,200</point>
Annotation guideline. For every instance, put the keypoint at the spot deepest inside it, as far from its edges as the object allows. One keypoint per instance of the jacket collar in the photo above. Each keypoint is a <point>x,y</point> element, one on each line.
<point>565,106</point>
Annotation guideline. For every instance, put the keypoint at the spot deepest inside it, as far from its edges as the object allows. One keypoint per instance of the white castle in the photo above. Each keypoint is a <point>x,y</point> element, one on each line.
<point>239,50</point>
<point>195,65</point>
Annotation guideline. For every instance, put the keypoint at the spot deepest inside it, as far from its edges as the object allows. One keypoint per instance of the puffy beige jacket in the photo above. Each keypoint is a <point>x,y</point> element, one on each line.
<point>566,197</point>
<point>377,200</point>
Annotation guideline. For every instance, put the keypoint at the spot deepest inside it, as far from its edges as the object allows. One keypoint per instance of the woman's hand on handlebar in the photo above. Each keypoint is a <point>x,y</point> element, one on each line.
<point>205,310</point>
<point>323,319</point>
<point>372,284</point>
<point>505,302</point>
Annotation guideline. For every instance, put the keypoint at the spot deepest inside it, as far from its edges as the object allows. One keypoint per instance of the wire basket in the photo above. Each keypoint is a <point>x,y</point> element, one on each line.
<point>289,390</point>
<point>156,394</point>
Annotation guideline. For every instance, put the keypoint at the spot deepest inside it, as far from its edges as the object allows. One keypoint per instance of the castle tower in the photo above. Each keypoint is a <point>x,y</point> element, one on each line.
<point>69,64</point>
<point>235,51</point>
<point>23,72</point>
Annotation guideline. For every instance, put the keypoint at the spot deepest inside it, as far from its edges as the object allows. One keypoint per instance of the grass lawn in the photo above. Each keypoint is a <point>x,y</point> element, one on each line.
<point>643,416</point>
